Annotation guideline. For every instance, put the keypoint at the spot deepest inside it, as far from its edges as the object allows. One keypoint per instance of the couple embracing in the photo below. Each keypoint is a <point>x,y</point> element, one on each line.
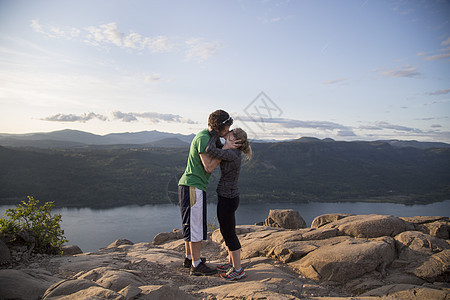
<point>205,154</point>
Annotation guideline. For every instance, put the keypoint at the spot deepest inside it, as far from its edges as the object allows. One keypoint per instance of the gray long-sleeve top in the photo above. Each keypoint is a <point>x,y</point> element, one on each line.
<point>230,167</point>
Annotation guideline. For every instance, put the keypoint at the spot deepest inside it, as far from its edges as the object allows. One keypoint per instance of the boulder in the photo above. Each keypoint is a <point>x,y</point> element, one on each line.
<point>285,218</point>
<point>129,292</point>
<point>292,251</point>
<point>71,250</point>
<point>346,260</point>
<point>424,219</point>
<point>24,284</point>
<point>113,279</point>
<point>327,218</point>
<point>439,229</point>
<point>120,242</point>
<point>164,237</point>
<point>415,246</point>
<point>67,287</point>
<point>5,255</point>
<point>370,226</point>
<point>263,281</point>
<point>436,268</point>
<point>406,292</point>
<point>163,292</point>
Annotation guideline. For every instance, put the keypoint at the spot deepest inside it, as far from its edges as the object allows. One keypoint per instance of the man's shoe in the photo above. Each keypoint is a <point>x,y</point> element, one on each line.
<point>232,274</point>
<point>224,267</point>
<point>202,270</point>
<point>188,262</point>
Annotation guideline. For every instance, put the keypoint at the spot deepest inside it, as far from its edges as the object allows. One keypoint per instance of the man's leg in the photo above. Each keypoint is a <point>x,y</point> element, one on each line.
<point>187,248</point>
<point>195,248</point>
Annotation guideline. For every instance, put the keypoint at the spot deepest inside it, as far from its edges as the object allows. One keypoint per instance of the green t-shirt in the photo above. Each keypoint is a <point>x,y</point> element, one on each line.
<point>195,174</point>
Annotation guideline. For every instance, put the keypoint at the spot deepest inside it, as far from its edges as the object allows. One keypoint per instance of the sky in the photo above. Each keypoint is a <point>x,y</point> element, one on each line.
<point>346,70</point>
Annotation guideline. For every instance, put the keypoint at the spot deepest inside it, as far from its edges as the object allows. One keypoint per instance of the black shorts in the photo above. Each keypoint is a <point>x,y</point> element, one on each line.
<point>193,213</point>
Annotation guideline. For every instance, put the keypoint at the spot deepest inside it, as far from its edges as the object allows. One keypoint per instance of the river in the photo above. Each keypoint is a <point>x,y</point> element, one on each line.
<point>92,229</point>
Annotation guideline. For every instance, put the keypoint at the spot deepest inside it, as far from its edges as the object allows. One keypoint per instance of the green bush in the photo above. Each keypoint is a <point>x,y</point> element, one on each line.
<point>36,221</point>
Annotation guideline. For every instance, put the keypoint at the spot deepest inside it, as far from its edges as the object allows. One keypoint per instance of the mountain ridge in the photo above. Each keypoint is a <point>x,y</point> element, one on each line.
<point>68,138</point>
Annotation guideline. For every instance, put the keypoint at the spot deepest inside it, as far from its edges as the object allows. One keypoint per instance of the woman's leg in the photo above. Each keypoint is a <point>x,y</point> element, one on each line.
<point>226,208</point>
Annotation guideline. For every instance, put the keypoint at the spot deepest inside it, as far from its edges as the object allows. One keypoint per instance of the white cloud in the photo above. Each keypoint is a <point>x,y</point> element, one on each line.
<point>446,42</point>
<point>49,30</point>
<point>401,71</point>
<point>340,80</point>
<point>75,118</point>
<point>200,50</point>
<point>155,77</point>
<point>440,92</point>
<point>151,116</point>
<point>107,35</point>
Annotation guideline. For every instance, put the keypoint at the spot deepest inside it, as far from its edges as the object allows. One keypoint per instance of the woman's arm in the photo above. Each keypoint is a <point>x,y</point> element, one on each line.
<point>223,154</point>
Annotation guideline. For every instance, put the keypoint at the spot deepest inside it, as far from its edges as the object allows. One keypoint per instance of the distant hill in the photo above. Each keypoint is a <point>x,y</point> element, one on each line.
<point>301,170</point>
<point>74,138</point>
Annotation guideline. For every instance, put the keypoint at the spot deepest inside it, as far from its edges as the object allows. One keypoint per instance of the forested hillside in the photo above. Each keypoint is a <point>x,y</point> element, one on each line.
<point>297,171</point>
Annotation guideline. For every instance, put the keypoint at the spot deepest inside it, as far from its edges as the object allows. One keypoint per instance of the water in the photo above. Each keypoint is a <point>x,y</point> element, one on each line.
<point>92,229</point>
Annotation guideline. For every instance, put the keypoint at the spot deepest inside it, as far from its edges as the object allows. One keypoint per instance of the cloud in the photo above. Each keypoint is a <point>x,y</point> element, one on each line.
<point>151,116</point>
<point>107,35</point>
<point>155,77</point>
<point>200,50</point>
<point>340,80</point>
<point>346,133</point>
<point>75,118</point>
<point>446,42</point>
<point>125,117</point>
<point>118,115</point>
<point>385,125</point>
<point>290,123</point>
<point>440,92</point>
<point>401,71</point>
<point>48,30</point>
<point>446,54</point>
<point>438,54</point>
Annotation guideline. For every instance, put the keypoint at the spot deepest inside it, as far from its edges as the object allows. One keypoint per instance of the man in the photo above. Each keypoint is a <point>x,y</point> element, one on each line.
<point>192,191</point>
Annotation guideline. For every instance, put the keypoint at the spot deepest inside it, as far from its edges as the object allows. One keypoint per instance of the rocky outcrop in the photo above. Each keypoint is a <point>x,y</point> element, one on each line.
<point>342,256</point>
<point>285,218</point>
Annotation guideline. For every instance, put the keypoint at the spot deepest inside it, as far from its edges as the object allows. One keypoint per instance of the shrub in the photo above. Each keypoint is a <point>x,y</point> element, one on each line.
<point>35,222</point>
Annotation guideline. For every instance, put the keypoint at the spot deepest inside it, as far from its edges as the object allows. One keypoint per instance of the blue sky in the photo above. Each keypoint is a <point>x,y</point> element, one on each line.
<point>348,70</point>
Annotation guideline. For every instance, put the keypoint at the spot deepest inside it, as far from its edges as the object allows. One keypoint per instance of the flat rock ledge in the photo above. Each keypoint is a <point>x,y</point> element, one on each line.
<point>341,256</point>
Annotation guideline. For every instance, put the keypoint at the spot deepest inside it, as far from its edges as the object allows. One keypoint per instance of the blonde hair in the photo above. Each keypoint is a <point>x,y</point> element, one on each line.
<point>241,135</point>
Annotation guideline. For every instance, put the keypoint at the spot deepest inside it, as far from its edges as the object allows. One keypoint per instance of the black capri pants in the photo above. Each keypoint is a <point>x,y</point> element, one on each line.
<point>227,221</point>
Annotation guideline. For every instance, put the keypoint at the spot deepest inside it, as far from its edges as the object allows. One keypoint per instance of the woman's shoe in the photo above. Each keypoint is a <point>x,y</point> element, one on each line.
<point>224,267</point>
<point>232,274</point>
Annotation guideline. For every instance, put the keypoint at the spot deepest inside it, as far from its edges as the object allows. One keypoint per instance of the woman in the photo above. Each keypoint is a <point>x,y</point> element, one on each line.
<point>228,197</point>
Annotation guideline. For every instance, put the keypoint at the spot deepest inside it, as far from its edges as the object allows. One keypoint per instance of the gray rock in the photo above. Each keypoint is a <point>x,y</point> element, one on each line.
<point>285,218</point>
<point>113,279</point>
<point>5,255</point>
<point>130,291</point>
<point>328,218</point>
<point>424,219</point>
<point>406,292</point>
<point>163,237</point>
<point>370,226</point>
<point>163,292</point>
<point>347,260</point>
<point>71,250</point>
<point>67,287</point>
<point>415,246</point>
<point>120,242</point>
<point>24,284</point>
<point>436,268</point>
